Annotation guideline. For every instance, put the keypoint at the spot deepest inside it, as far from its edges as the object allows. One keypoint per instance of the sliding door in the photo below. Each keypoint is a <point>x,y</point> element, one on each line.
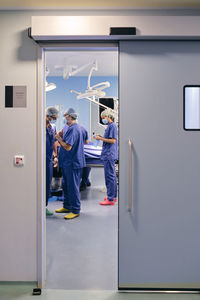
<point>159,191</point>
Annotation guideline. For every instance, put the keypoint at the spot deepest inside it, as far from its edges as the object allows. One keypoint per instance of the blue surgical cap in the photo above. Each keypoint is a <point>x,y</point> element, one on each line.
<point>71,112</point>
<point>51,111</point>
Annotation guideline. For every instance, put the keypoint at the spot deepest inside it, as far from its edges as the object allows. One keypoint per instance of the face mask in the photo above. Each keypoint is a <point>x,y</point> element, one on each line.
<point>105,121</point>
<point>53,121</point>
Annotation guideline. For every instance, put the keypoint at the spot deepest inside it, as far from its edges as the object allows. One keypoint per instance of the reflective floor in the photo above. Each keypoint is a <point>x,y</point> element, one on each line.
<point>82,253</point>
<point>80,266</point>
<point>24,292</point>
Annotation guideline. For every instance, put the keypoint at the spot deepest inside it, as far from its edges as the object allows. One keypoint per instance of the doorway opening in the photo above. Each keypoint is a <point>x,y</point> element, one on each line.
<point>81,253</point>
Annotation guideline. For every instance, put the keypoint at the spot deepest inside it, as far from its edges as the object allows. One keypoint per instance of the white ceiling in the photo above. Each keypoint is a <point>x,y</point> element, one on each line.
<point>97,4</point>
<point>58,62</point>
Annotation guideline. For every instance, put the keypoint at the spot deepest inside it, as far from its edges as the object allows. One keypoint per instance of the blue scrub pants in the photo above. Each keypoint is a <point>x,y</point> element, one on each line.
<point>110,179</point>
<point>85,176</point>
<point>49,175</point>
<point>71,187</point>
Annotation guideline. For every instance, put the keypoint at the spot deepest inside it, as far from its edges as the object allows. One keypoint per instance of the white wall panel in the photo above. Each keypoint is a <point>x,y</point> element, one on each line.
<point>18,136</point>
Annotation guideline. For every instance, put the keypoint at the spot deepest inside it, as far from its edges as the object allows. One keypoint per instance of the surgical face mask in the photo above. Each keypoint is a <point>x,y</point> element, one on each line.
<point>105,121</point>
<point>53,121</point>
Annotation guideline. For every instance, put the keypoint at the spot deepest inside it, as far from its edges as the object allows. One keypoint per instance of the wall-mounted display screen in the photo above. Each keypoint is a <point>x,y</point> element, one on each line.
<point>109,102</point>
<point>191,107</point>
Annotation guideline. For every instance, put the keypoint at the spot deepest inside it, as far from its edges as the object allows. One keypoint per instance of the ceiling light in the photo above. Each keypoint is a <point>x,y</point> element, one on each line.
<point>49,86</point>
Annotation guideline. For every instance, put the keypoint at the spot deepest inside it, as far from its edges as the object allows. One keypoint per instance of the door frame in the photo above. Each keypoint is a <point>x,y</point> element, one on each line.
<point>41,141</point>
<point>41,147</point>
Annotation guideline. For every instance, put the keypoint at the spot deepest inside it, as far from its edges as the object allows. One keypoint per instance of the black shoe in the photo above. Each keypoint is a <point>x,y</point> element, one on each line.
<point>89,184</point>
<point>83,187</point>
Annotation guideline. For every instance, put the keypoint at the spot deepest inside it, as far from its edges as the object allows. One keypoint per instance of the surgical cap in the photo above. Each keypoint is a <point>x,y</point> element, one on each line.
<point>51,111</point>
<point>108,113</point>
<point>71,112</point>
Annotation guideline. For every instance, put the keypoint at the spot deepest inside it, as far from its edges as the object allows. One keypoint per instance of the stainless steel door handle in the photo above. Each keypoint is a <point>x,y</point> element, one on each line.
<point>130,181</point>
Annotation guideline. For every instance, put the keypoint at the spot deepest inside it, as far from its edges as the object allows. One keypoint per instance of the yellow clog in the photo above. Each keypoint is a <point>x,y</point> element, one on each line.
<point>62,210</point>
<point>71,216</point>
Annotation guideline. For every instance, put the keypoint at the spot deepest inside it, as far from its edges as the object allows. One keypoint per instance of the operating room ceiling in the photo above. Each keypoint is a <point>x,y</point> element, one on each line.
<point>98,4</point>
<point>58,62</point>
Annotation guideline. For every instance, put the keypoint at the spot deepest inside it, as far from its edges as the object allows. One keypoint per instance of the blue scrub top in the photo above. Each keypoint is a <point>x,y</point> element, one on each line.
<point>110,151</point>
<point>65,129</point>
<point>50,139</point>
<point>74,158</point>
<point>84,133</point>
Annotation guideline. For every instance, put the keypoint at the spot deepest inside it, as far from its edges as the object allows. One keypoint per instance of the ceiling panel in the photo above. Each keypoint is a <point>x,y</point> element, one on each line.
<point>60,63</point>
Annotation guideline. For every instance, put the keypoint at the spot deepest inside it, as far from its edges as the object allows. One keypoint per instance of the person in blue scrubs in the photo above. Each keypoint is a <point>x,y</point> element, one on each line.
<point>85,182</point>
<point>86,170</point>
<point>71,161</point>
<point>109,156</point>
<point>51,117</point>
<point>66,127</point>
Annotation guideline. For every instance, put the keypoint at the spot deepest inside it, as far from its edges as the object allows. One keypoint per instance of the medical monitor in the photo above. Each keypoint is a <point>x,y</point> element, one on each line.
<point>109,102</point>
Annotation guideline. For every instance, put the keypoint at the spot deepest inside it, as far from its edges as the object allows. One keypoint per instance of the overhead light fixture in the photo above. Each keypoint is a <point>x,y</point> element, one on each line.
<point>95,90</point>
<point>49,86</point>
<point>91,91</point>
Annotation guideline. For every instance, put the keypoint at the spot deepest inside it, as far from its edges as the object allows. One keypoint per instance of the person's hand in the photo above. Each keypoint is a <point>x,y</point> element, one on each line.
<point>60,133</point>
<point>98,137</point>
<point>55,162</point>
<point>57,137</point>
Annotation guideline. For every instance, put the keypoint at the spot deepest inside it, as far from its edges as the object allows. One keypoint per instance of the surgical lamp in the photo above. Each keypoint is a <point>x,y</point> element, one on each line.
<point>49,86</point>
<point>91,91</point>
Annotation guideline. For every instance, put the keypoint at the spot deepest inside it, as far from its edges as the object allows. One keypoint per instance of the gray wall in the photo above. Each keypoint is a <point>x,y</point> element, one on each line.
<point>18,219</point>
<point>18,136</point>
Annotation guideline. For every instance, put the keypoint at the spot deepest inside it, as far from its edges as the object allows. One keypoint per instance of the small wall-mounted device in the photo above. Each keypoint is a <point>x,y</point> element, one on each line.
<point>19,160</point>
<point>122,30</point>
<point>15,96</point>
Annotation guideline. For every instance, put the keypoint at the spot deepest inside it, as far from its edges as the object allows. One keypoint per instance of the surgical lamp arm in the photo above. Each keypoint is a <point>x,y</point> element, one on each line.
<point>102,105</point>
<point>72,73</point>
<point>93,101</point>
<point>94,68</point>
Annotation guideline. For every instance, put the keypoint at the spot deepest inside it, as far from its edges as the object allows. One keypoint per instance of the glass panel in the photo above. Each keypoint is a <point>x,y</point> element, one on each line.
<point>192,107</point>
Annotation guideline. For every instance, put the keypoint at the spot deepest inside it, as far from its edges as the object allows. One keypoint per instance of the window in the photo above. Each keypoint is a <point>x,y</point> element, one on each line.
<point>191,107</point>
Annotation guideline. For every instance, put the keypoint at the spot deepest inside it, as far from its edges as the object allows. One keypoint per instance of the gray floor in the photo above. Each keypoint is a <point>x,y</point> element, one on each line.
<point>19,291</point>
<point>82,253</point>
